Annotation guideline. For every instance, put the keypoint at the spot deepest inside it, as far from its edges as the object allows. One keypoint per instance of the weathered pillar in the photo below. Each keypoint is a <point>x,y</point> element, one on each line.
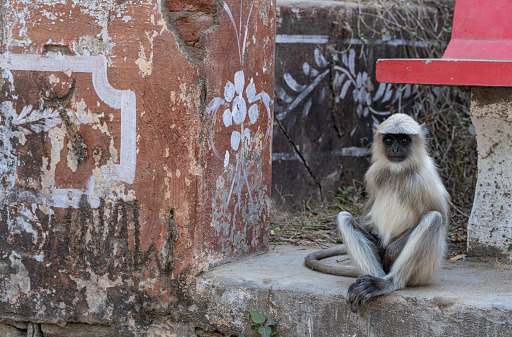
<point>135,152</point>
<point>490,223</point>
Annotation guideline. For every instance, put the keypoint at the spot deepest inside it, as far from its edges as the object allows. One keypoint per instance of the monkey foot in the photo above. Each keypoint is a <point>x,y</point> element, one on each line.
<point>365,288</point>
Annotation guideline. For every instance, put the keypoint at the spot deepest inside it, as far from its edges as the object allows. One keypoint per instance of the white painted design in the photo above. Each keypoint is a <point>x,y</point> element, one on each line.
<point>32,120</point>
<point>314,39</point>
<point>324,39</point>
<point>346,80</point>
<point>35,121</point>
<point>253,113</point>
<point>226,159</point>
<point>344,152</point>
<point>235,140</point>
<point>227,117</point>
<point>241,107</point>
<point>124,100</point>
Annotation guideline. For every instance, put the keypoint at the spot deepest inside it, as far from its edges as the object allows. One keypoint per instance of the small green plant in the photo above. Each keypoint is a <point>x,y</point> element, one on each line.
<point>265,327</point>
<point>346,192</point>
<point>351,199</point>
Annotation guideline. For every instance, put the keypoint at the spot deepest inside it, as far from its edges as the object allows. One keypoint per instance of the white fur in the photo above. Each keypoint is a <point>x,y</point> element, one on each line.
<point>362,255</point>
<point>410,191</point>
<point>400,123</point>
<point>391,215</point>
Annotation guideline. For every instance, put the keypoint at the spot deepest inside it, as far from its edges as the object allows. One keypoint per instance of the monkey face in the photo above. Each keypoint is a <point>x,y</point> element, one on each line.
<point>396,146</point>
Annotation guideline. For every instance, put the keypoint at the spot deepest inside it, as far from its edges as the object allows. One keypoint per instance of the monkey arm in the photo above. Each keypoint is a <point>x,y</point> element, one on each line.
<point>364,248</point>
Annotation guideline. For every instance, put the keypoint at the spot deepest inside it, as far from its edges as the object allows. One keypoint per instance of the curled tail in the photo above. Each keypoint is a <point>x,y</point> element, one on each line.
<point>314,262</point>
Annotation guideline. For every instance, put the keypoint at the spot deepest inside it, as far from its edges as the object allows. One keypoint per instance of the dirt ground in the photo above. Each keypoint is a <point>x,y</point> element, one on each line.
<point>317,227</point>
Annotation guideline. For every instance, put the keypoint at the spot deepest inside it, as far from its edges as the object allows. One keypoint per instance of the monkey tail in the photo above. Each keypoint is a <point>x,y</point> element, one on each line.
<point>314,262</point>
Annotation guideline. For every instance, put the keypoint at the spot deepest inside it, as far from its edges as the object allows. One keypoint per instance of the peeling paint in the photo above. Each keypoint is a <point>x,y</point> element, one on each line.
<point>145,64</point>
<point>107,176</point>
<point>96,288</point>
<point>19,281</point>
<point>56,136</point>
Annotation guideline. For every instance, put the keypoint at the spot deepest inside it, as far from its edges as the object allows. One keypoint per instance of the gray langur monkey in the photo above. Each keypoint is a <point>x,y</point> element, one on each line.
<point>399,240</point>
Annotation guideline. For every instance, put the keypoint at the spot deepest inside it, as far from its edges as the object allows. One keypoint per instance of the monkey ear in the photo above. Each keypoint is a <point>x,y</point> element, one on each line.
<point>425,132</point>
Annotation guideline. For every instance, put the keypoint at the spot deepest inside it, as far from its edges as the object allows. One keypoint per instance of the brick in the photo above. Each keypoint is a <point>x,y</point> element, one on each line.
<point>191,28</point>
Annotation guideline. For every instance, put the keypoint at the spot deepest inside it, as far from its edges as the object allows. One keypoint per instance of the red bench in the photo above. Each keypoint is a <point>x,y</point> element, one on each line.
<point>479,53</point>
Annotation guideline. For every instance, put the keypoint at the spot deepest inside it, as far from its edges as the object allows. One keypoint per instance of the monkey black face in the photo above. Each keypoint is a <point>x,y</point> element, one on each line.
<point>397,146</point>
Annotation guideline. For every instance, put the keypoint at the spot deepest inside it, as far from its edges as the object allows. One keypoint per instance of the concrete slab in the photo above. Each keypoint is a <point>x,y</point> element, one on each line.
<point>467,299</point>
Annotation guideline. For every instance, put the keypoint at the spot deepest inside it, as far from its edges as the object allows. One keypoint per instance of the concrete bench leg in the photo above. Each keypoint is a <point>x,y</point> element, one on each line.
<point>490,223</point>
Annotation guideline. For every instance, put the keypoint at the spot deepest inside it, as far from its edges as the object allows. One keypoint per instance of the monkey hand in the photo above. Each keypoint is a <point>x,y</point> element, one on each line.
<point>365,287</point>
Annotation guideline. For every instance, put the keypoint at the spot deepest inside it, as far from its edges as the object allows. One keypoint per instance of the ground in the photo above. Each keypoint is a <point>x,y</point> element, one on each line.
<point>316,225</point>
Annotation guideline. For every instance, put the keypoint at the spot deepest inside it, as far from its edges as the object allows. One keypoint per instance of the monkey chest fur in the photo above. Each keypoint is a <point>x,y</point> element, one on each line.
<point>392,214</point>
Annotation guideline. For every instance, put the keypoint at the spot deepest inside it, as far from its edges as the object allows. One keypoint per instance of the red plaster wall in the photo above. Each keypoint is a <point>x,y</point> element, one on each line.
<point>100,212</point>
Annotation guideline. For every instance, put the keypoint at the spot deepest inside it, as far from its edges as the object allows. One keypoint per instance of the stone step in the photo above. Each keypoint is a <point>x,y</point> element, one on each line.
<point>466,299</point>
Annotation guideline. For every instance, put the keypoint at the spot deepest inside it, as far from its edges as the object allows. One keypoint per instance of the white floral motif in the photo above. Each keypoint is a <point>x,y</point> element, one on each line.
<point>233,93</point>
<point>31,120</point>
<point>345,78</point>
<point>237,107</point>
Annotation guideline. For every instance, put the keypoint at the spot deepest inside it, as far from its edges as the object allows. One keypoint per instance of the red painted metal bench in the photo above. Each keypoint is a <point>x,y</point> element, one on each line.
<point>479,53</point>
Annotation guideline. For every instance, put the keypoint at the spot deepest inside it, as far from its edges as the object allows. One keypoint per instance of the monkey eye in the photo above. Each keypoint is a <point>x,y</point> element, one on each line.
<point>405,141</point>
<point>388,141</point>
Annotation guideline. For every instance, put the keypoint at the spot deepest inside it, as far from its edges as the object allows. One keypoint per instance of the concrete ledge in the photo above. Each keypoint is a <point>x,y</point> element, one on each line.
<point>467,299</point>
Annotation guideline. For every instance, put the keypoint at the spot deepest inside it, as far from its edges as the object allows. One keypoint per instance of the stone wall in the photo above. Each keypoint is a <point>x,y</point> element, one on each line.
<point>327,98</point>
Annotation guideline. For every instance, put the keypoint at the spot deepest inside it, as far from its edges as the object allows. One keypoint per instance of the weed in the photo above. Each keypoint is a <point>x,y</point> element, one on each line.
<point>265,327</point>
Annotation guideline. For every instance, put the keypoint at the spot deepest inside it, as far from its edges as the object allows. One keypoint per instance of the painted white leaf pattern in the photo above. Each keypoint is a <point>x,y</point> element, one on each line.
<point>320,59</point>
<point>35,121</point>
<point>345,79</point>
<point>235,106</point>
<point>253,113</point>
<point>293,84</point>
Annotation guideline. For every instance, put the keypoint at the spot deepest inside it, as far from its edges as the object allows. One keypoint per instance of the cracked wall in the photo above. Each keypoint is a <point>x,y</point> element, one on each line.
<point>135,153</point>
<point>327,98</point>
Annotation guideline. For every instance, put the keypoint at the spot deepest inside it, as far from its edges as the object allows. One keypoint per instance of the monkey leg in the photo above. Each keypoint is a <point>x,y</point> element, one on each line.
<point>362,247</point>
<point>423,253</point>
<point>417,262</point>
<point>393,250</point>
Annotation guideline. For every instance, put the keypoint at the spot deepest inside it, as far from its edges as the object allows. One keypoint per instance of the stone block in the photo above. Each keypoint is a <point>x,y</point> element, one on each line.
<point>466,299</point>
<point>10,331</point>
<point>129,162</point>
